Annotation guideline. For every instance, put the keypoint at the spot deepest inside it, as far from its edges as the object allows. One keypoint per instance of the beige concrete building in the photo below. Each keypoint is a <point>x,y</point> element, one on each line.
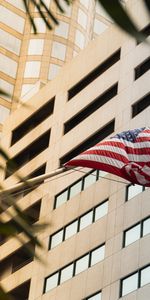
<point>29,61</point>
<point>97,244</point>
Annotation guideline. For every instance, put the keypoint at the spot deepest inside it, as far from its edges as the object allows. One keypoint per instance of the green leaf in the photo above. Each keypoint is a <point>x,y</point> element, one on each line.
<point>121,18</point>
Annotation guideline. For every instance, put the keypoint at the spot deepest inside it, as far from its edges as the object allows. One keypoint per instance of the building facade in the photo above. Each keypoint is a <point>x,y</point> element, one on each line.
<point>27,60</point>
<point>97,244</point>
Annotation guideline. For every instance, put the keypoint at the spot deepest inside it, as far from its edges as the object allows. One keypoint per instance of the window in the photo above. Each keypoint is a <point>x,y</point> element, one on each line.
<point>89,142</point>
<point>35,47</point>
<point>34,120</point>
<point>75,189</point>
<point>28,153</point>
<point>82,18</point>
<point>90,179</point>
<point>58,50</point>
<point>140,105</point>
<point>91,108</point>
<point>21,291</point>
<point>96,296</point>
<point>97,255</point>
<point>80,223</point>
<point>6,86</point>
<point>136,232</point>
<point>53,70</point>
<point>111,60</point>
<point>62,30</point>
<point>79,39</point>
<point>9,42</point>
<point>146,32</point>
<point>32,69</point>
<point>135,281</point>
<point>142,68</point>
<point>79,265</point>
<point>8,66</point>
<point>66,273</point>
<point>11,19</point>
<point>99,26</point>
<point>133,190</point>
<point>40,25</point>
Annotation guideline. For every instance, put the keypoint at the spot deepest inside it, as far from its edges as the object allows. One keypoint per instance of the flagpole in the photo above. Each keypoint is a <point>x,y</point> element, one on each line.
<point>33,181</point>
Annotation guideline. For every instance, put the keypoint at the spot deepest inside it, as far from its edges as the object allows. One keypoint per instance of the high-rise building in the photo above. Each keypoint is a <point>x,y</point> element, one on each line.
<point>29,61</point>
<point>97,243</point>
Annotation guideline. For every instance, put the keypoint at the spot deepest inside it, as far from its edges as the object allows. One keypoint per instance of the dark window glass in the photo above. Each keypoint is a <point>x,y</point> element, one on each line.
<point>142,68</point>
<point>35,119</point>
<point>140,105</point>
<point>21,292</point>
<point>31,151</point>
<point>91,108</point>
<point>91,141</point>
<point>94,74</point>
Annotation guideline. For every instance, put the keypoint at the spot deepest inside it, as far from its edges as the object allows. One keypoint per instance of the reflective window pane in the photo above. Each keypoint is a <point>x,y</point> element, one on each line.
<point>130,284</point>
<point>145,276</point>
<point>101,210</point>
<point>95,297</point>
<point>56,239</point>
<point>132,235</point>
<point>71,229</point>
<point>90,179</point>
<point>62,198</point>
<point>51,282</point>
<point>82,264</point>
<point>134,190</point>
<point>66,273</point>
<point>146,226</point>
<point>75,189</point>
<point>97,255</point>
<point>86,220</point>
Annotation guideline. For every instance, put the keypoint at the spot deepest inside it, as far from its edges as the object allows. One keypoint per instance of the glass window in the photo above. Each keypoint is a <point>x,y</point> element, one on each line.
<point>90,179</point>
<point>62,29</point>
<point>75,189</point>
<point>82,264</point>
<point>58,50</point>
<point>97,296</point>
<point>82,18</point>
<point>32,69</point>
<point>8,65</point>
<point>97,255</point>
<point>132,235</point>
<point>146,226</point>
<point>56,239</point>
<point>36,47</point>
<point>71,229</point>
<point>145,276</point>
<point>9,42</point>
<point>134,190</point>
<point>66,273</point>
<point>129,284</point>
<point>53,71</point>
<point>79,39</point>
<point>51,282</point>
<point>11,19</point>
<point>62,198</point>
<point>40,25</point>
<point>99,26</point>
<point>4,113</point>
<point>86,220</point>
<point>101,210</point>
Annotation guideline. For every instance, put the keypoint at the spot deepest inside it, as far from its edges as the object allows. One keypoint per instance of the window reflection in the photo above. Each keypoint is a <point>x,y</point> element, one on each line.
<point>130,284</point>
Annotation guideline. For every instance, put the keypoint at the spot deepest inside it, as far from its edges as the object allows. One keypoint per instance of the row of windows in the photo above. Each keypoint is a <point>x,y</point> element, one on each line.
<point>77,187</point>
<point>136,232</point>
<point>142,68</point>
<point>78,224</point>
<point>140,105</point>
<point>133,190</point>
<point>79,265</point>
<point>135,281</point>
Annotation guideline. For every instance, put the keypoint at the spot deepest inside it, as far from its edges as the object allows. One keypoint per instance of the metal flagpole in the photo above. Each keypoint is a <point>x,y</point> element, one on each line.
<point>33,181</point>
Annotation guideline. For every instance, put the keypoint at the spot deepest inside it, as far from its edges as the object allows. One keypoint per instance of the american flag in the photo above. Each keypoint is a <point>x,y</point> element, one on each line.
<point>126,154</point>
